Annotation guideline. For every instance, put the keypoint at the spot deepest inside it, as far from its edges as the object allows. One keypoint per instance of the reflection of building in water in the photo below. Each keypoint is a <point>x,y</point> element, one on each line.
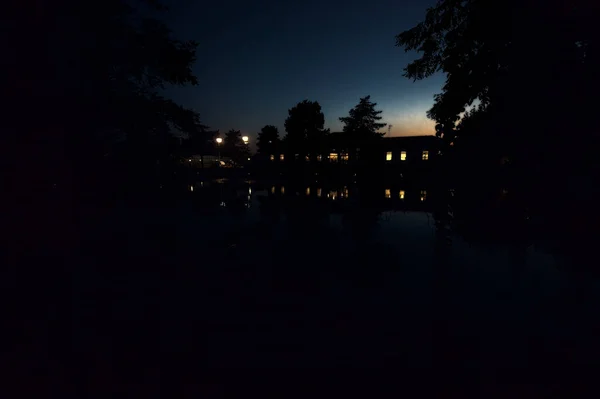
<point>319,192</point>
<point>388,193</point>
<point>423,195</point>
<point>401,194</point>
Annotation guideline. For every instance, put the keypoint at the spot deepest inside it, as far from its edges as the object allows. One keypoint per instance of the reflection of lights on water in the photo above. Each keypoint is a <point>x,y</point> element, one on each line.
<point>401,194</point>
<point>249,191</point>
<point>333,194</point>
<point>273,190</point>
<point>319,192</point>
<point>346,192</point>
<point>388,193</point>
<point>423,195</point>
<point>282,190</point>
<point>191,188</point>
<point>307,190</point>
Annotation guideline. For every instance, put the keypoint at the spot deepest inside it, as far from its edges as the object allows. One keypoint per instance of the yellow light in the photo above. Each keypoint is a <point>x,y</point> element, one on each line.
<point>307,190</point>
<point>333,156</point>
<point>423,195</point>
<point>344,156</point>
<point>272,157</point>
<point>425,155</point>
<point>388,193</point>
<point>319,192</point>
<point>282,190</point>
<point>346,192</point>
<point>403,156</point>
<point>219,140</point>
<point>245,139</point>
<point>319,158</point>
<point>281,157</point>
<point>273,190</point>
<point>401,194</point>
<point>333,195</point>
<point>388,156</point>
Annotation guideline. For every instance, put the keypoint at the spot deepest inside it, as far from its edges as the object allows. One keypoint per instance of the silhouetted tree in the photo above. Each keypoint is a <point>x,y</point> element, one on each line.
<point>547,53</point>
<point>304,127</point>
<point>109,63</point>
<point>234,147</point>
<point>268,140</point>
<point>361,125</point>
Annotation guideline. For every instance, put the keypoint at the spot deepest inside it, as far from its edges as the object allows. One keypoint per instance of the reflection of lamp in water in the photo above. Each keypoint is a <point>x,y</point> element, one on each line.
<point>388,193</point>
<point>307,190</point>
<point>319,192</point>
<point>401,194</point>
<point>423,195</point>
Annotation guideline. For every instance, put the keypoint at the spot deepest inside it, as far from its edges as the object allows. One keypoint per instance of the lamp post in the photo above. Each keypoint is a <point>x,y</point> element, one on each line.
<point>245,139</point>
<point>219,140</point>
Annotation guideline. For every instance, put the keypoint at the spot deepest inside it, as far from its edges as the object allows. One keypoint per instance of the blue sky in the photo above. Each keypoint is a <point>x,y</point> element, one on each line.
<point>258,59</point>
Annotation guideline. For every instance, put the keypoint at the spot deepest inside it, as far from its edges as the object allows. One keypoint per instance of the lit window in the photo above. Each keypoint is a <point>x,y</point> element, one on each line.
<point>319,192</point>
<point>423,195</point>
<point>344,156</point>
<point>319,157</point>
<point>401,194</point>
<point>307,190</point>
<point>345,192</point>
<point>281,157</point>
<point>388,193</point>
<point>272,157</point>
<point>333,157</point>
<point>388,156</point>
<point>282,190</point>
<point>403,156</point>
<point>333,195</point>
<point>425,155</point>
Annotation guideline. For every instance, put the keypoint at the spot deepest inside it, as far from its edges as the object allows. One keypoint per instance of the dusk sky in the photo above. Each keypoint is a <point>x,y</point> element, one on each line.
<point>258,59</point>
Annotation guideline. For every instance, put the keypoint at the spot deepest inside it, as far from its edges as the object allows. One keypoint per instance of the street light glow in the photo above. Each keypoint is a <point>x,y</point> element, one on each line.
<point>219,140</point>
<point>245,139</point>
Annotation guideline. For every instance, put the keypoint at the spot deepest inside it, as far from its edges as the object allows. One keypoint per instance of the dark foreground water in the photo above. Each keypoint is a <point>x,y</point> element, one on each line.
<point>275,275</point>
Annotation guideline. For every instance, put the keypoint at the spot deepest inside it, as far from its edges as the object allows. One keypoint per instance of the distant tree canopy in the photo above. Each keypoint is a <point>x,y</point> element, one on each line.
<point>304,127</point>
<point>268,140</point>
<point>518,67</point>
<point>234,146</point>
<point>363,120</point>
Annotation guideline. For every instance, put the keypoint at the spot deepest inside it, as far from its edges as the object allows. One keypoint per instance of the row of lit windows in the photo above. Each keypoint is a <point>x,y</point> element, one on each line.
<point>334,157</point>
<point>424,155</point>
<point>402,194</point>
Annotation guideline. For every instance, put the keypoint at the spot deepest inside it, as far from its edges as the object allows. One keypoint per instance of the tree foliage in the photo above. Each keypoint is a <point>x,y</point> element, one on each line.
<point>363,120</point>
<point>268,140</point>
<point>304,127</point>
<point>514,66</point>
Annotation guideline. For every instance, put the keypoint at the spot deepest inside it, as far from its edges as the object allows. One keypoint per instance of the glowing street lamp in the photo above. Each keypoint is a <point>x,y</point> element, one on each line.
<point>219,140</point>
<point>245,139</point>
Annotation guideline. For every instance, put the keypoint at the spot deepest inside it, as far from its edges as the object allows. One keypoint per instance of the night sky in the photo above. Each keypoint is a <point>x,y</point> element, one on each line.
<point>258,59</point>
